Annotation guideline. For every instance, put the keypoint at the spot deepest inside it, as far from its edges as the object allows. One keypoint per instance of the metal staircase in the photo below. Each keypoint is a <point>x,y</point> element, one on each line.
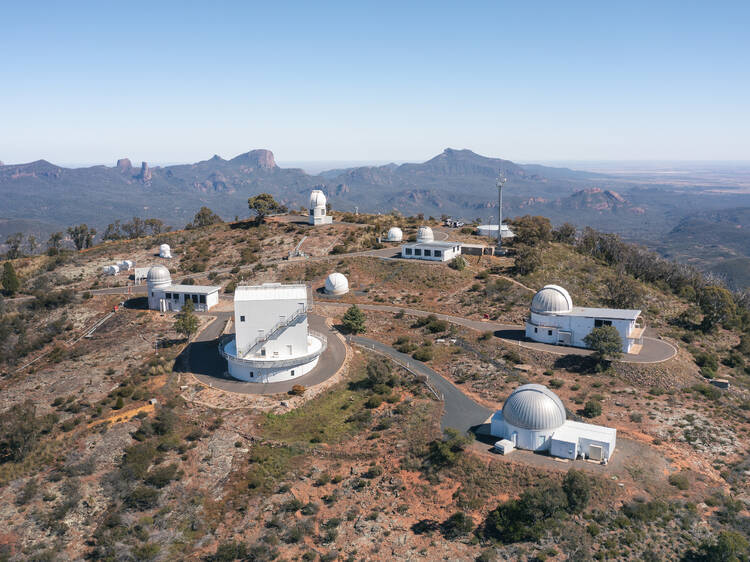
<point>277,328</point>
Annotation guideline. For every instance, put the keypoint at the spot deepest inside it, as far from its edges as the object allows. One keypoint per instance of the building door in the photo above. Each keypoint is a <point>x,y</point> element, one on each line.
<point>595,452</point>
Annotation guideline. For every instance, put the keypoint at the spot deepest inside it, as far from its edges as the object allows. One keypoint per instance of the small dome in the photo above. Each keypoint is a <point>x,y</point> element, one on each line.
<point>552,299</point>
<point>336,284</point>
<point>535,407</point>
<point>165,251</point>
<point>424,234</point>
<point>395,234</point>
<point>159,275</point>
<point>317,199</point>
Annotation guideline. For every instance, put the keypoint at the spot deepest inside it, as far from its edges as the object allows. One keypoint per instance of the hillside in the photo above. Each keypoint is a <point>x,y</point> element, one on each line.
<point>356,467</point>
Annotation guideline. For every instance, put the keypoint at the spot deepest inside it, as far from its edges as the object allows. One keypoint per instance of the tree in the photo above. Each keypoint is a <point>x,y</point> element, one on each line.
<point>577,488</point>
<point>186,322</point>
<point>32,243</point>
<point>354,320</point>
<point>113,231</point>
<point>730,546</point>
<point>565,234</point>
<point>528,260</point>
<point>264,204</point>
<point>205,217</point>
<point>592,409</point>
<point>606,343</point>
<point>458,263</point>
<point>14,242</point>
<point>53,244</point>
<point>82,236</point>
<point>717,305</point>
<point>11,284</point>
<point>155,226</point>
<point>623,291</point>
<point>135,228</point>
<point>532,231</point>
<point>457,525</point>
<point>20,429</point>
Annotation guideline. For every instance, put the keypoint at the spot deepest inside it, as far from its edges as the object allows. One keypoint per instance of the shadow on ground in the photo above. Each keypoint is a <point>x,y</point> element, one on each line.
<point>136,303</point>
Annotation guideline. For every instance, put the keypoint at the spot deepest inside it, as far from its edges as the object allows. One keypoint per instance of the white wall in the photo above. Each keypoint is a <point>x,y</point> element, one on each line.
<point>253,374</point>
<point>318,216</point>
<point>446,254</point>
<point>579,326</point>
<point>257,317</point>
<point>157,300</point>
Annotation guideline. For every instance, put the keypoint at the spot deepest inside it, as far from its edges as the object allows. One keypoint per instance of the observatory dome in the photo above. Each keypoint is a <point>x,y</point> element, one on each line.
<point>534,407</point>
<point>336,284</point>
<point>158,275</point>
<point>424,234</point>
<point>317,199</point>
<point>395,234</point>
<point>165,251</point>
<point>552,299</point>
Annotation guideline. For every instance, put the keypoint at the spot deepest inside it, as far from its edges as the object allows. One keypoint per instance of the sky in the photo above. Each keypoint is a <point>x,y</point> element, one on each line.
<point>90,82</point>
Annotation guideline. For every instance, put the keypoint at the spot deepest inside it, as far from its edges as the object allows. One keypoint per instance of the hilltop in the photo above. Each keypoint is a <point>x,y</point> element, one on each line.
<point>356,469</point>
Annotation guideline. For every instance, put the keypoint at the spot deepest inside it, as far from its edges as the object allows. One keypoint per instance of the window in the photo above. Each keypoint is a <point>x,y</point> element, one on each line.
<point>428,252</point>
<point>175,296</point>
<point>152,293</point>
<point>251,374</point>
<point>202,299</point>
<point>292,372</point>
<point>194,298</point>
<point>599,323</point>
<point>417,252</point>
<point>407,251</point>
<point>549,332</point>
<point>169,296</point>
<point>536,330</point>
<point>438,253</point>
<point>242,318</point>
<point>263,352</point>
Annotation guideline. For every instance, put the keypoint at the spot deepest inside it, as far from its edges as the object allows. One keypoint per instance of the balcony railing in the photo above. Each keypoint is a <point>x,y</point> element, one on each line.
<point>277,362</point>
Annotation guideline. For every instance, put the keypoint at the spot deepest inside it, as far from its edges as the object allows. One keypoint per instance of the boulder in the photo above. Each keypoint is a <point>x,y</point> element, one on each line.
<point>124,164</point>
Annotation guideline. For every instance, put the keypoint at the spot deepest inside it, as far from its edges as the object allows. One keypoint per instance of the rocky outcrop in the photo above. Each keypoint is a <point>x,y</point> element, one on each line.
<point>145,174</point>
<point>124,164</point>
<point>256,159</point>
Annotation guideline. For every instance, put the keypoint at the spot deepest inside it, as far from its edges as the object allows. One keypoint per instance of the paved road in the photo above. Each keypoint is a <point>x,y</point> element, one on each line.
<point>460,412</point>
<point>210,368</point>
<point>654,350</point>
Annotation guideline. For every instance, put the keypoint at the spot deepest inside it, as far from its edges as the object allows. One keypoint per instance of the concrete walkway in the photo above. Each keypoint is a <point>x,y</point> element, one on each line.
<point>460,412</point>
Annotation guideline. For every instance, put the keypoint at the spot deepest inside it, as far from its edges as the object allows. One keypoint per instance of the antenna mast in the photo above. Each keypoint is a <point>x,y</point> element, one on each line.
<point>501,179</point>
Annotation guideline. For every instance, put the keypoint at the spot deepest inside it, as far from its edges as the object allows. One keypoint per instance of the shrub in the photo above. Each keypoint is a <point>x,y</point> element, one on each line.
<point>142,497</point>
<point>297,390</point>
<point>592,409</point>
<point>373,472</point>
<point>374,401</point>
<point>679,480</point>
<point>457,525</point>
<point>458,263</point>
<point>556,383</point>
<point>423,354</point>
<point>636,417</point>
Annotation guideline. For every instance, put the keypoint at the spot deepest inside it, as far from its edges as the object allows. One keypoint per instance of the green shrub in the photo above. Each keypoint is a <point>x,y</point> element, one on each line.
<point>423,354</point>
<point>679,480</point>
<point>592,409</point>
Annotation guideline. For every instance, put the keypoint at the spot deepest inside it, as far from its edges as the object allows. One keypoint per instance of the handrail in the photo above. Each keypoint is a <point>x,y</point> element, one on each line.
<point>275,362</point>
<point>275,329</point>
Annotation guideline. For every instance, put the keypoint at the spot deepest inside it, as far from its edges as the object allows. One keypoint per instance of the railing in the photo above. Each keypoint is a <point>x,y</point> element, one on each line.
<point>275,329</point>
<point>266,362</point>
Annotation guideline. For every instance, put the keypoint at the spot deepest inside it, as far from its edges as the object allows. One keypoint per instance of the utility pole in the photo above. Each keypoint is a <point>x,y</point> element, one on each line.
<point>501,179</point>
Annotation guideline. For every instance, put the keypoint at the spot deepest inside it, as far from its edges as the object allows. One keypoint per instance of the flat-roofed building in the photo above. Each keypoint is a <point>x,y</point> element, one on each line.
<point>432,251</point>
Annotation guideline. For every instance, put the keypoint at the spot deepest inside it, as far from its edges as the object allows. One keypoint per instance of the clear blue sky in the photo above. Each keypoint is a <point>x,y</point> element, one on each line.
<point>529,81</point>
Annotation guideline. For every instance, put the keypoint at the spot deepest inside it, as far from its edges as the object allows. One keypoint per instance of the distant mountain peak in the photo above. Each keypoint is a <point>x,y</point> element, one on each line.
<point>217,158</point>
<point>124,164</point>
<point>259,158</point>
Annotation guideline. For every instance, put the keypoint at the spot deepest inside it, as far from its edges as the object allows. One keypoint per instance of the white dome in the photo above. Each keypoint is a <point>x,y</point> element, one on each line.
<point>317,199</point>
<point>534,407</point>
<point>336,284</point>
<point>395,234</point>
<point>165,251</point>
<point>158,275</point>
<point>552,299</point>
<point>424,234</point>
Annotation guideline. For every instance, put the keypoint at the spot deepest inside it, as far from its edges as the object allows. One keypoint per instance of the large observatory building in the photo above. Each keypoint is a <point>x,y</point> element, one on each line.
<point>272,340</point>
<point>534,418</point>
<point>553,319</point>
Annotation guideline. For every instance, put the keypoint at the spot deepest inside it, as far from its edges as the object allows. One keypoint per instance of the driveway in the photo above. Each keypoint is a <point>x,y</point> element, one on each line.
<point>460,411</point>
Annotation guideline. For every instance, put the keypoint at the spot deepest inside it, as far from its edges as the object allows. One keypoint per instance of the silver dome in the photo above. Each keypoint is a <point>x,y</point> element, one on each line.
<point>424,234</point>
<point>535,407</point>
<point>317,199</point>
<point>336,284</point>
<point>395,234</point>
<point>552,299</point>
<point>158,275</point>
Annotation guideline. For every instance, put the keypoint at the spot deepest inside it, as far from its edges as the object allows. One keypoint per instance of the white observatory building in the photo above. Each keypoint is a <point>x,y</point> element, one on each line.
<point>534,418</point>
<point>164,296</point>
<point>554,320</point>
<point>424,234</point>
<point>395,234</point>
<point>272,340</point>
<point>336,284</point>
<point>165,251</point>
<point>318,214</point>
